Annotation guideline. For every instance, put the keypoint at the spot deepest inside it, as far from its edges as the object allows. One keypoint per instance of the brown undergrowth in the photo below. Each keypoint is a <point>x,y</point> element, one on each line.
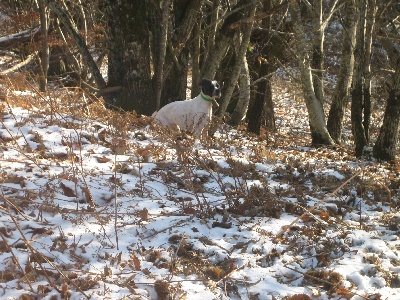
<point>228,167</point>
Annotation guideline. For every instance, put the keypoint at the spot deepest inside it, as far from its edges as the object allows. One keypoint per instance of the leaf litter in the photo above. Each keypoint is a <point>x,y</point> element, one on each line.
<point>100,205</point>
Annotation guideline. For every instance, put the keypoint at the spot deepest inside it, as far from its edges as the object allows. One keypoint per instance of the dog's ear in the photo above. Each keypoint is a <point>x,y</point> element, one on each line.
<point>203,82</point>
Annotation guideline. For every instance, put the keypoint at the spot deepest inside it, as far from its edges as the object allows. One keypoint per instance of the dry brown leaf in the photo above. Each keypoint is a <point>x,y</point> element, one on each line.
<point>88,195</point>
<point>102,134</point>
<point>299,297</point>
<point>107,271</point>
<point>15,179</point>
<point>345,293</point>
<point>307,218</point>
<point>189,211</point>
<point>64,291</point>
<point>324,215</point>
<point>136,262</point>
<point>102,160</point>
<point>144,214</point>
<point>67,190</point>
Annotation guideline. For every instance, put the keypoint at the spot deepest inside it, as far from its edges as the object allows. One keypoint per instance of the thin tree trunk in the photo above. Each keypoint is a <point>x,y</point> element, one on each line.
<point>45,53</point>
<point>229,87</point>
<point>222,42</point>
<point>357,92</point>
<point>161,51</point>
<point>73,31</point>
<point>184,19</point>
<point>319,132</point>
<point>195,55</point>
<point>244,96</point>
<point>269,106</point>
<point>317,61</point>
<point>371,13</point>
<point>263,91</point>
<point>385,146</point>
<point>340,97</point>
<point>211,32</point>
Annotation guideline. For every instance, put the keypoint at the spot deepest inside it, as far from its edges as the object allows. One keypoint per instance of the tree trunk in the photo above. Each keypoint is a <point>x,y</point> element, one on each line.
<point>357,92</point>
<point>263,92</point>
<point>319,132</point>
<point>386,143</point>
<point>244,95</point>
<point>160,51</point>
<point>184,19</point>
<point>229,87</point>
<point>370,24</point>
<point>269,114</point>
<point>73,31</point>
<point>45,53</point>
<point>222,42</point>
<point>195,55</point>
<point>129,56</point>
<point>340,98</point>
<point>385,146</point>
<point>317,61</point>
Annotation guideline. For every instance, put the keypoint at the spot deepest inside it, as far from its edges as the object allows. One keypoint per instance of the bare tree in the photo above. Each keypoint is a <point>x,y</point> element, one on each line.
<point>340,98</point>
<point>44,59</point>
<point>160,50</point>
<point>74,33</point>
<point>319,131</point>
<point>244,95</point>
<point>386,143</point>
<point>268,47</point>
<point>361,102</point>
<point>230,85</point>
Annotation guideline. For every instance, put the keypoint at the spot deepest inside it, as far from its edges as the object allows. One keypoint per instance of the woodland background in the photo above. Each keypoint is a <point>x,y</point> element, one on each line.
<point>335,52</point>
<point>285,201</point>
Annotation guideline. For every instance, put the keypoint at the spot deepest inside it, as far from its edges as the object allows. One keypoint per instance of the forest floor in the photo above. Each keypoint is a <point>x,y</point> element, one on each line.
<point>101,205</point>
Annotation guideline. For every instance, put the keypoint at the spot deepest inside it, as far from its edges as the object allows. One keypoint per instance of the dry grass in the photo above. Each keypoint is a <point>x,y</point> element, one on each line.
<point>177,168</point>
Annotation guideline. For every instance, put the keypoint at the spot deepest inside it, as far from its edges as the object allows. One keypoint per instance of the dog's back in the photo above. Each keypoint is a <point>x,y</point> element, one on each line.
<point>190,115</point>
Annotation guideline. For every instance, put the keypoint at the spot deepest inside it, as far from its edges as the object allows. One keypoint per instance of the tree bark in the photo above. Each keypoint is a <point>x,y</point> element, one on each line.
<point>185,16</point>
<point>319,132</point>
<point>340,98</point>
<point>386,143</point>
<point>229,87</point>
<point>317,61</point>
<point>385,146</point>
<point>370,24</point>
<point>357,92</point>
<point>45,53</point>
<point>244,95</point>
<point>222,42</point>
<point>160,52</point>
<point>263,66</point>
<point>195,55</point>
<point>129,56</point>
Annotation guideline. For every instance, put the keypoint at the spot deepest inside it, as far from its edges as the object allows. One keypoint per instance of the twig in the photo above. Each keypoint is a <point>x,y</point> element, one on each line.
<point>115,202</point>
<point>16,261</point>
<point>321,280</point>
<point>20,65</point>
<point>38,254</point>
<point>285,228</point>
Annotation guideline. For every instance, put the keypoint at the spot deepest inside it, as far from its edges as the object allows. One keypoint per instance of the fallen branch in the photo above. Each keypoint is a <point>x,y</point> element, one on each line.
<point>311,209</point>
<point>7,42</point>
<point>20,65</point>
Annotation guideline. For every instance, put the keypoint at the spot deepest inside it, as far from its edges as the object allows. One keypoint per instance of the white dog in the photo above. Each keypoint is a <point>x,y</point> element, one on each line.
<point>190,115</point>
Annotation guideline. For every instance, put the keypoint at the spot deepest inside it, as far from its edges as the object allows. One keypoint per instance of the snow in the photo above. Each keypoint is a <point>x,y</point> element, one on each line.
<point>149,213</point>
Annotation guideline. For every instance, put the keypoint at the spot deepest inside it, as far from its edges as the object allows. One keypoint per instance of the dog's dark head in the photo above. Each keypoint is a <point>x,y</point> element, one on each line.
<point>210,88</point>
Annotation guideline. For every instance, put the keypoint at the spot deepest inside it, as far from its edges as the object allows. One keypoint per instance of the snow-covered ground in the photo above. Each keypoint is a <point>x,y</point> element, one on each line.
<point>107,207</point>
